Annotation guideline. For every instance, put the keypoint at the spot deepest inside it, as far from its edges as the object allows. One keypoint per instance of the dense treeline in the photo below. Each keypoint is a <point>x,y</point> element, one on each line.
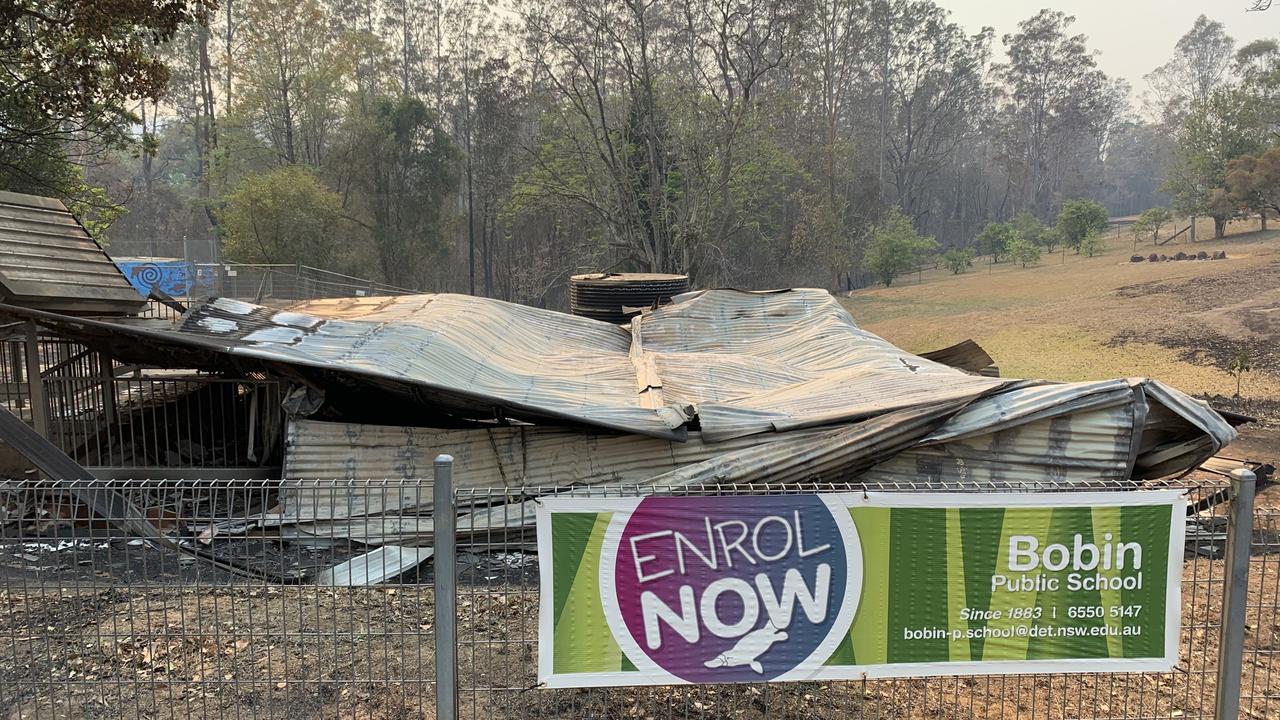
<point>468,146</point>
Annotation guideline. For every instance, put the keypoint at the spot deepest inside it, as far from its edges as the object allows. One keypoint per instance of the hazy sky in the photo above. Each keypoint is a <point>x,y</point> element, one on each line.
<point>1135,36</point>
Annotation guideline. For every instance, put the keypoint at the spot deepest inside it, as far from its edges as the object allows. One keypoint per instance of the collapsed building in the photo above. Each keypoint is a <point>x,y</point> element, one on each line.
<point>719,386</point>
<point>768,390</point>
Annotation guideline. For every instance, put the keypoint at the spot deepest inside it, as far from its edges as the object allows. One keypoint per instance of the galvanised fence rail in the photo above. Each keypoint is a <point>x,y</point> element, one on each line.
<point>252,603</point>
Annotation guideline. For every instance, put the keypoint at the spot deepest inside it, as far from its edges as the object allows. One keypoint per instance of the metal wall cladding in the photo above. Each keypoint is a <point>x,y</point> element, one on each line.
<point>510,457</point>
<point>1044,436</point>
<point>1072,449</point>
<point>48,261</point>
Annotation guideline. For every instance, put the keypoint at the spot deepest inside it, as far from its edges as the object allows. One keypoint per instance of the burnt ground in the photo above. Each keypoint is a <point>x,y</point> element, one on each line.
<point>1209,320</point>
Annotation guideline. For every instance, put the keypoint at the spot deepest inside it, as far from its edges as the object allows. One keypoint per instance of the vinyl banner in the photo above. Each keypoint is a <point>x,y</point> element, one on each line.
<point>661,590</point>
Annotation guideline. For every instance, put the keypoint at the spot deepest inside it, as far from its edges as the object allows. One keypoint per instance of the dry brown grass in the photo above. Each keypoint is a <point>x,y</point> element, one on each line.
<point>1078,318</point>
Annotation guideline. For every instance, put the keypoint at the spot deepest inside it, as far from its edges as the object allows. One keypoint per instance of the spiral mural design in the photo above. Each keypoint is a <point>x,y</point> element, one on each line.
<point>172,277</point>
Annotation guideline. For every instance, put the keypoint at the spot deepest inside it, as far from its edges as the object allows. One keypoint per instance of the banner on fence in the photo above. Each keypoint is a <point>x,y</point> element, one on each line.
<point>660,590</point>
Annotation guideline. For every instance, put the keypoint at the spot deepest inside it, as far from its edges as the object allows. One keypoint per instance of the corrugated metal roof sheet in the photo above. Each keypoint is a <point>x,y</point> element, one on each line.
<point>48,261</point>
<point>744,363</point>
<point>726,364</point>
<point>374,567</point>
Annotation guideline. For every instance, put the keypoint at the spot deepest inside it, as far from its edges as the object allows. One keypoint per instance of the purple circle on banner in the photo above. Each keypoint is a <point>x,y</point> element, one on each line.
<point>730,589</point>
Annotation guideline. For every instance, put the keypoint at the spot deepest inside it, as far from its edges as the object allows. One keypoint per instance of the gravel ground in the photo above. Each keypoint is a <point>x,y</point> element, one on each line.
<point>234,649</point>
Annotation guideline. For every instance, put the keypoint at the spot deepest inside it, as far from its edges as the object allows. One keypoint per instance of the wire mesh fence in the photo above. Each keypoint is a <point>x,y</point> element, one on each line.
<point>498,680</point>
<point>250,602</point>
<point>226,615</point>
<point>104,414</point>
<point>164,420</point>
<point>262,282</point>
<point>1260,687</point>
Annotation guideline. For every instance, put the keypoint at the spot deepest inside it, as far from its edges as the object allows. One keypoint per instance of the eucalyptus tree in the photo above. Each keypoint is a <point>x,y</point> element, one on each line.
<point>1201,63</point>
<point>1061,105</point>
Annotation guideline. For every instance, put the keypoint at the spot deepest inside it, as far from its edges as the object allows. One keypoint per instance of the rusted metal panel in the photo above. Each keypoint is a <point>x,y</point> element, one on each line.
<point>48,261</point>
<point>964,355</point>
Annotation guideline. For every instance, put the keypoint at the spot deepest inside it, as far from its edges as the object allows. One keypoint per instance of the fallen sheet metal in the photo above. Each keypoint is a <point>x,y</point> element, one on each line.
<point>374,567</point>
<point>399,461</point>
<point>1041,436</point>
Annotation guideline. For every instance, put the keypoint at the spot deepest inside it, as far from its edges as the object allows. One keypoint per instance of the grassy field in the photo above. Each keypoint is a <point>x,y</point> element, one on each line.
<point>1078,318</point>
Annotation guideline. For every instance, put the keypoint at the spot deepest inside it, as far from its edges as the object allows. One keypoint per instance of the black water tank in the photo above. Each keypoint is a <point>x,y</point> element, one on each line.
<point>615,297</point>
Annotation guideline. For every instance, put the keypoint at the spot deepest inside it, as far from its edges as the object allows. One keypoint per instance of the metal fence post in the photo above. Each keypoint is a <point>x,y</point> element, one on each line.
<point>1235,594</point>
<point>444,515</point>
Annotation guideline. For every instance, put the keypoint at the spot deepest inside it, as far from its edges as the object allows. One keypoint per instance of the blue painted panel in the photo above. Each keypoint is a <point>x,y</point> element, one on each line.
<point>174,277</point>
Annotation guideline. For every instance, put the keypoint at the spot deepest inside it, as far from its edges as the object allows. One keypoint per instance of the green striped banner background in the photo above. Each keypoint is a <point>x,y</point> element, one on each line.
<point>921,567</point>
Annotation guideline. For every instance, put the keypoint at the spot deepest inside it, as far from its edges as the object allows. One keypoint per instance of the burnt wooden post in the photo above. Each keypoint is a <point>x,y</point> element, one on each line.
<point>39,408</point>
<point>107,368</point>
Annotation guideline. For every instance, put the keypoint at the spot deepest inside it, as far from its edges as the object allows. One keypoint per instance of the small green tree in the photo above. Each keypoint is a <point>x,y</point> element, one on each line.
<point>283,216</point>
<point>1051,238</point>
<point>1030,227</point>
<point>1092,244</point>
<point>1151,221</point>
<point>957,261</point>
<point>995,238</point>
<point>1079,218</point>
<point>1239,365</point>
<point>896,247</point>
<point>1022,250</point>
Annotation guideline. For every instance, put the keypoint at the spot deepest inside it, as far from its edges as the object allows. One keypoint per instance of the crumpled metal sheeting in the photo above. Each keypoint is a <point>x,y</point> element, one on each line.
<point>538,363</point>
<point>748,363</point>
<point>1073,448</point>
<point>802,328</point>
<point>737,364</point>
<point>1197,412</point>
<point>721,377</point>
<point>831,456</point>
<point>839,396</point>
<point>760,362</point>
<point>834,455</point>
<point>1026,404</point>
<point>1175,433</point>
<point>826,455</point>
